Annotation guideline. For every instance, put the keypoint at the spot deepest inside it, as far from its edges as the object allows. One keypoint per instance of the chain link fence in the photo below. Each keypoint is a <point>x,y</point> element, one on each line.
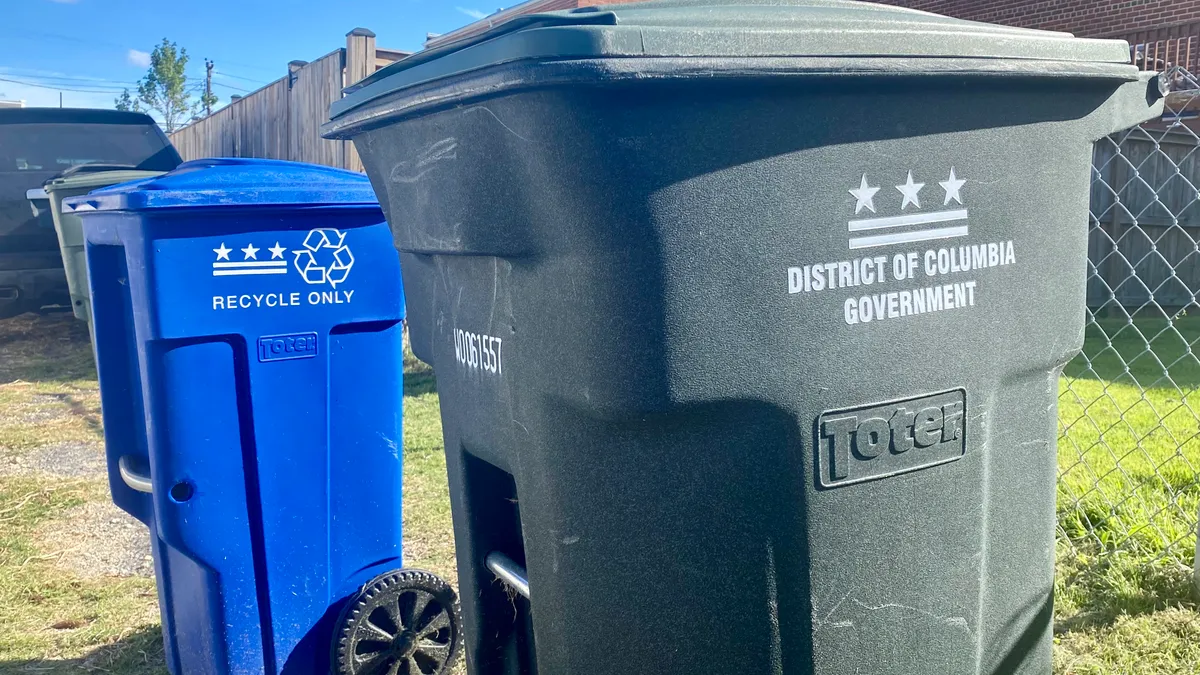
<point>1129,404</point>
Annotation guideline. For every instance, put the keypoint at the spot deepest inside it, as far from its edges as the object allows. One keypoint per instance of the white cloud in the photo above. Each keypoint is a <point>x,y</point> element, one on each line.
<point>473,13</point>
<point>140,59</point>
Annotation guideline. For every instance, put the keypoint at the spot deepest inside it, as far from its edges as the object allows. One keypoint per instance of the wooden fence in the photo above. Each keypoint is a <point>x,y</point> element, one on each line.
<point>282,120</point>
<point>1146,221</point>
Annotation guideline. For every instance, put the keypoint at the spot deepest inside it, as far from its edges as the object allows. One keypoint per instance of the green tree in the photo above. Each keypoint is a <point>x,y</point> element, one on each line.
<point>128,103</point>
<point>164,88</point>
<point>206,99</point>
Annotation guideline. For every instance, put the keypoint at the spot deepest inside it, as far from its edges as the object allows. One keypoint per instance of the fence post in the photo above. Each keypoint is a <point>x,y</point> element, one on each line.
<point>289,138</point>
<point>360,62</point>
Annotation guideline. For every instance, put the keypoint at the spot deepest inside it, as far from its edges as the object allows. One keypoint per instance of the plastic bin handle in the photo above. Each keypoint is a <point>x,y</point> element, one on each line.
<point>508,571</point>
<point>135,479</point>
<point>1132,103</point>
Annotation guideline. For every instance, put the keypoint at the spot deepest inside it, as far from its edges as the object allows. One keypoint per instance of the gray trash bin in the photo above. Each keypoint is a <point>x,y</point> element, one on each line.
<point>747,322</point>
<point>73,182</point>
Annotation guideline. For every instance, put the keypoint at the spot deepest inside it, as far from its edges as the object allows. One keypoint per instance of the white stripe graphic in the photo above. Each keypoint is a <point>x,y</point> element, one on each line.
<point>244,271</point>
<point>907,237</point>
<point>251,263</point>
<point>908,219</point>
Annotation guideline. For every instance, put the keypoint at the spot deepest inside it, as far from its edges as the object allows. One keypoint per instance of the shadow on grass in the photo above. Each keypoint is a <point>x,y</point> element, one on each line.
<point>52,347</point>
<point>418,378</point>
<point>1144,351</point>
<point>78,409</point>
<point>139,653</point>
<point>1101,588</point>
<point>1126,543</point>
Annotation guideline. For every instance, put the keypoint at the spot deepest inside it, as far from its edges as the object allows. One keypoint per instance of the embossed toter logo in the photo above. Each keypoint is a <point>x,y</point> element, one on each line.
<point>886,439</point>
<point>325,257</point>
<point>287,347</point>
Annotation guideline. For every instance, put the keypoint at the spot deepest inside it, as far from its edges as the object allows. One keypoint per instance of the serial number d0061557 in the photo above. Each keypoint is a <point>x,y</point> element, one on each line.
<point>885,439</point>
<point>479,352</point>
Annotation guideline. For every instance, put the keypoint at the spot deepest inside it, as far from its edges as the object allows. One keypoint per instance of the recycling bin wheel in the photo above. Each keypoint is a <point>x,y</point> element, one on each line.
<point>404,622</point>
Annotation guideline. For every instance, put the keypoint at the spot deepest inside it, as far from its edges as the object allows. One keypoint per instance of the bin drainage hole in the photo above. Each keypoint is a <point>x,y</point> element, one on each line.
<point>182,491</point>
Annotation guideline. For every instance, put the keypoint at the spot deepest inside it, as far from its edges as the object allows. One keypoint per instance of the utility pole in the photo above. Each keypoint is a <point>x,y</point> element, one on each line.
<point>208,67</point>
<point>60,99</point>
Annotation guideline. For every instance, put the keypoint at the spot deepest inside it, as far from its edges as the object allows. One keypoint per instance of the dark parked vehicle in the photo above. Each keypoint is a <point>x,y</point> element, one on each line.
<point>37,144</point>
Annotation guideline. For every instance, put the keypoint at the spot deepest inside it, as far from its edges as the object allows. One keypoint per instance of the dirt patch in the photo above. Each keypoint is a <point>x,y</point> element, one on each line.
<point>41,408</point>
<point>97,540</point>
<point>68,459</point>
<point>37,347</point>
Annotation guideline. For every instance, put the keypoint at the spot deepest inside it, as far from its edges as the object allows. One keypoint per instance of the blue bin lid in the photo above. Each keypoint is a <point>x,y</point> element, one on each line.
<point>234,182</point>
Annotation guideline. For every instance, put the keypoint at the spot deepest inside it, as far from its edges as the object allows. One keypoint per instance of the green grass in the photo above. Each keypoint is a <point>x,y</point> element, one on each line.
<point>54,622</point>
<point>428,542</point>
<point>1128,499</point>
<point>41,413</point>
<point>1123,603</point>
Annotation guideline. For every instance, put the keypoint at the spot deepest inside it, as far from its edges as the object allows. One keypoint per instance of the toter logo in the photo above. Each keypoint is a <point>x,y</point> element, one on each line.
<point>887,439</point>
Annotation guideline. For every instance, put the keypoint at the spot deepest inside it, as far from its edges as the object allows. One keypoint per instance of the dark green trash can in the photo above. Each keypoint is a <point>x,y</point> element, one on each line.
<point>747,322</point>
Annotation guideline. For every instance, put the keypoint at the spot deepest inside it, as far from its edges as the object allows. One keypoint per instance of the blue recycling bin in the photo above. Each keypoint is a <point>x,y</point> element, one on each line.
<point>248,319</point>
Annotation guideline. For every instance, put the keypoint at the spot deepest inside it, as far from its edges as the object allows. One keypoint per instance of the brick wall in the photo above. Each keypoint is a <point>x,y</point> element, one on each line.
<point>1085,18</point>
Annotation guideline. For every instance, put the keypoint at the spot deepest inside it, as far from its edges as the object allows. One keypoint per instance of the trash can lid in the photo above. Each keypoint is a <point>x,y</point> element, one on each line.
<point>234,182</point>
<point>93,178</point>
<point>841,36</point>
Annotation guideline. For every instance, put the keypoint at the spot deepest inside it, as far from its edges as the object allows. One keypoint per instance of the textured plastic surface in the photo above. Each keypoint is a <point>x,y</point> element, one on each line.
<point>69,228</point>
<point>753,366</point>
<point>835,35</point>
<point>264,402</point>
<point>239,183</point>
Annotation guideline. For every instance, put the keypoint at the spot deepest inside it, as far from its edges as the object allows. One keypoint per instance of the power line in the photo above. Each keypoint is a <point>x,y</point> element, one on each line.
<point>39,77</point>
<point>82,82</point>
<point>201,82</point>
<point>62,88</point>
<point>34,35</point>
<point>230,86</point>
<point>251,67</point>
<point>222,73</point>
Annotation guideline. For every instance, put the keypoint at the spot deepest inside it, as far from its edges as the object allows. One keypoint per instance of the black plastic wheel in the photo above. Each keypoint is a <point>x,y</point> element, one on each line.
<point>401,623</point>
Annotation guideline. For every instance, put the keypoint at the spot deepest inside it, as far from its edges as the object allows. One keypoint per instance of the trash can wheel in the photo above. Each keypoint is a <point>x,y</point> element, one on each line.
<point>405,622</point>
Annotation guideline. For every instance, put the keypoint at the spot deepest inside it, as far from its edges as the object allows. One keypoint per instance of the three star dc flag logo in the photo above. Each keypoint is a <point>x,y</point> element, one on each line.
<point>324,258</point>
<point>908,227</point>
<point>250,263</point>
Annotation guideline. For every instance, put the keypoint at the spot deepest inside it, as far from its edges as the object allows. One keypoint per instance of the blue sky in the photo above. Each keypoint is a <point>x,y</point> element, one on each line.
<point>89,49</point>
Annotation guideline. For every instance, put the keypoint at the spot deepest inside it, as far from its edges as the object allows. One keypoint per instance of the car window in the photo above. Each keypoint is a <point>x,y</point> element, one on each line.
<point>58,147</point>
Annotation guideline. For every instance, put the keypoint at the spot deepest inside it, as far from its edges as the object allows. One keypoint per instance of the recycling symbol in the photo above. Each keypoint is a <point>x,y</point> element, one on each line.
<point>325,257</point>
